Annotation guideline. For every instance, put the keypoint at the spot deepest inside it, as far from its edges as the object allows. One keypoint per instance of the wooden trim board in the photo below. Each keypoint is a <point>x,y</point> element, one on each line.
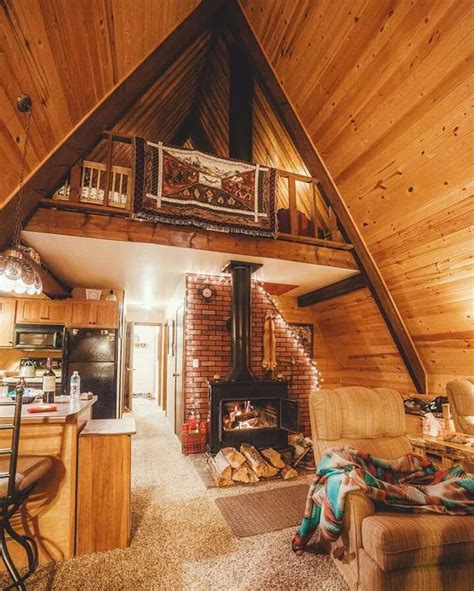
<point>91,225</point>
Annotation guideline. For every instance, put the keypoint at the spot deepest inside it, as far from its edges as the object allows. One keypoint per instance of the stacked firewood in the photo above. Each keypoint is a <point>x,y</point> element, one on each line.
<point>302,454</point>
<point>248,465</point>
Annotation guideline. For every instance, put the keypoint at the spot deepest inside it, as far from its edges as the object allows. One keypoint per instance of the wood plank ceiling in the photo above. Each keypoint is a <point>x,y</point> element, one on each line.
<point>382,89</point>
<point>68,56</point>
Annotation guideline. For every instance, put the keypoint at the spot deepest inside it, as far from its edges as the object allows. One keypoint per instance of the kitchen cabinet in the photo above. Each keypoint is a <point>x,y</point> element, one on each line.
<point>7,321</point>
<point>41,311</point>
<point>97,314</point>
<point>104,465</point>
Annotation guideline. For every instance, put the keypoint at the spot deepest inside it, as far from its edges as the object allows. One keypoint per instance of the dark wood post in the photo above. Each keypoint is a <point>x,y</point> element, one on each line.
<point>240,105</point>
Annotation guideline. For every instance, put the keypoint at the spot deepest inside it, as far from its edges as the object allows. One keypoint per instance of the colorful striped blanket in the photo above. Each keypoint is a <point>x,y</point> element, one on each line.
<point>409,483</point>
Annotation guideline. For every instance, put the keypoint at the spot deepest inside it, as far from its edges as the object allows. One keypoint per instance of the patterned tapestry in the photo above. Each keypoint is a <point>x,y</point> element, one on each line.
<point>179,186</point>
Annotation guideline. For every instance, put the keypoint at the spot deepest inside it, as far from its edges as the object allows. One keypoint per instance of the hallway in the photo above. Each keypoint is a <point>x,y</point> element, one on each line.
<point>180,541</point>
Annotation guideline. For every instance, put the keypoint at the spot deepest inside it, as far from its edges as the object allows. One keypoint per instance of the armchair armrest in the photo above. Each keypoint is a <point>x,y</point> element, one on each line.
<point>357,507</point>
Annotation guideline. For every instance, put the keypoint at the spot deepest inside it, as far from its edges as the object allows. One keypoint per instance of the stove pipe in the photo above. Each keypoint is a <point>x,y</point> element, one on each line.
<point>240,322</point>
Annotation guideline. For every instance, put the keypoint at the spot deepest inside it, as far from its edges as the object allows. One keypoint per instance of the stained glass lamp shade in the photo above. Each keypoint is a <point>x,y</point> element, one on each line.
<point>17,273</point>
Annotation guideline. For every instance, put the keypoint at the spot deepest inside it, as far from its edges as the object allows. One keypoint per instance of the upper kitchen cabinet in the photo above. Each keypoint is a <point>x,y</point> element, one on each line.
<point>41,312</point>
<point>7,322</point>
<point>97,314</point>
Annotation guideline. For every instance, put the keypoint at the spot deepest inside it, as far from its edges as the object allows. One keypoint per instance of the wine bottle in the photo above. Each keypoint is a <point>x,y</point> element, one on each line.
<point>49,383</point>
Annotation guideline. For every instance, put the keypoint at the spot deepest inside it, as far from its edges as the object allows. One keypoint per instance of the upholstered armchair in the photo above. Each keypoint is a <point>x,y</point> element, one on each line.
<point>461,403</point>
<point>388,551</point>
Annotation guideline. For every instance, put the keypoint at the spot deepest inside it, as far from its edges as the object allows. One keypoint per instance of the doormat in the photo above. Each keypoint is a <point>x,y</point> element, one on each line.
<point>262,512</point>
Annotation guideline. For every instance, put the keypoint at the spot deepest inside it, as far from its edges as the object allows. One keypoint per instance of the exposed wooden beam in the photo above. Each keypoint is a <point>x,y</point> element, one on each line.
<point>332,291</point>
<point>310,155</point>
<point>107,227</point>
<point>49,173</point>
<point>240,104</point>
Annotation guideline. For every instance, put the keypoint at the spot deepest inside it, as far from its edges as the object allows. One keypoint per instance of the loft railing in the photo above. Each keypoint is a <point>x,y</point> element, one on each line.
<point>101,185</point>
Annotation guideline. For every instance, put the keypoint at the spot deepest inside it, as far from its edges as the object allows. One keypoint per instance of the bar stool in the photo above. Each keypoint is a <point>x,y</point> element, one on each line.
<point>18,478</point>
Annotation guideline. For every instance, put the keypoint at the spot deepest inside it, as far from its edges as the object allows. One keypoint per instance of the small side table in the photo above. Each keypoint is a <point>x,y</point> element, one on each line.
<point>444,454</point>
<point>104,485</point>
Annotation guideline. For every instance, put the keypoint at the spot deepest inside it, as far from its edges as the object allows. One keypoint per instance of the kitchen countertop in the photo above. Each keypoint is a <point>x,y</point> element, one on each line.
<point>107,427</point>
<point>35,380</point>
<point>66,409</point>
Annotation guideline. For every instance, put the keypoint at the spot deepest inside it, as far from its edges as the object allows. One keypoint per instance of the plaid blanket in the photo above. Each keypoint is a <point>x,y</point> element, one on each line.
<point>409,483</point>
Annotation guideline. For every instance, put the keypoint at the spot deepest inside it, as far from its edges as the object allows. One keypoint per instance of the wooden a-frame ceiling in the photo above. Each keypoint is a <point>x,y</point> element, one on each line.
<point>381,89</point>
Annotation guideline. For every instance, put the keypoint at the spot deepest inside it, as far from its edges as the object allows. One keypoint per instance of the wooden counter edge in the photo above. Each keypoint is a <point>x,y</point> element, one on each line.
<point>107,427</point>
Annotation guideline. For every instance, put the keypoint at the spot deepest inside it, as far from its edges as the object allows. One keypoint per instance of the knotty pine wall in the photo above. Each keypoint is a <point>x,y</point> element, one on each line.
<point>382,89</point>
<point>208,339</point>
<point>68,56</point>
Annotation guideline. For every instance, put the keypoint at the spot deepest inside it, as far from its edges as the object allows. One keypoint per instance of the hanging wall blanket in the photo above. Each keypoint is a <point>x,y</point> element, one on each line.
<point>178,186</point>
<point>410,483</point>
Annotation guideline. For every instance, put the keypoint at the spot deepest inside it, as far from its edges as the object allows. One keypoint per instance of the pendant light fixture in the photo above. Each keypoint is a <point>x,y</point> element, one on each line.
<point>17,274</point>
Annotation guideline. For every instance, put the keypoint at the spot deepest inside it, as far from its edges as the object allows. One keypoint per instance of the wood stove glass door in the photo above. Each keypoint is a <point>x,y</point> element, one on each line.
<point>289,416</point>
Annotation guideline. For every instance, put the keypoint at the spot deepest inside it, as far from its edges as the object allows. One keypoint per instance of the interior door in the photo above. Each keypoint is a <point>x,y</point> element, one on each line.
<point>128,377</point>
<point>179,366</point>
<point>171,380</point>
<point>164,368</point>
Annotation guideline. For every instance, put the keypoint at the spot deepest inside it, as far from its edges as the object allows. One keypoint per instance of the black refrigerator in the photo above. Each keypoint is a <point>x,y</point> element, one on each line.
<point>93,352</point>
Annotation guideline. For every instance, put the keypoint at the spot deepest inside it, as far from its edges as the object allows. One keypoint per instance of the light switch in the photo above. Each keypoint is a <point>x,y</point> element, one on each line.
<point>195,363</point>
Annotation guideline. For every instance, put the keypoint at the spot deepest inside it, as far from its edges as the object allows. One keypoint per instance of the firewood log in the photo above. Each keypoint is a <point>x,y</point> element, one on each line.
<point>288,472</point>
<point>256,461</point>
<point>271,471</point>
<point>234,457</point>
<point>246,416</point>
<point>241,474</point>
<point>273,457</point>
<point>220,470</point>
<point>252,476</point>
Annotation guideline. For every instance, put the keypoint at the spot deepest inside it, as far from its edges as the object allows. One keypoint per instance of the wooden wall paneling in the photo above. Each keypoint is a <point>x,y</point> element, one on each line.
<point>214,96</point>
<point>52,51</point>
<point>311,157</point>
<point>107,112</point>
<point>322,353</point>
<point>383,90</point>
<point>359,340</point>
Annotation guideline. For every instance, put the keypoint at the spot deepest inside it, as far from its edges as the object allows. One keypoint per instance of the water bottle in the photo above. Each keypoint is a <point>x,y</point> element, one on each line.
<point>75,388</point>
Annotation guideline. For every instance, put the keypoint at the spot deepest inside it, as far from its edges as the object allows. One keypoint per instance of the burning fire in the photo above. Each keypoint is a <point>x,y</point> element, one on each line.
<point>244,416</point>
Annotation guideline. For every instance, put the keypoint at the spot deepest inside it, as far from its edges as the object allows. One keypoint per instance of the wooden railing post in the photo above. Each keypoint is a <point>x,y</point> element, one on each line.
<point>108,167</point>
<point>75,183</point>
<point>294,229</point>
<point>314,209</point>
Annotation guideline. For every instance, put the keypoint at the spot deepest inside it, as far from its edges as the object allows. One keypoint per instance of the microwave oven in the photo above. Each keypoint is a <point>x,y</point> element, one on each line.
<point>31,337</point>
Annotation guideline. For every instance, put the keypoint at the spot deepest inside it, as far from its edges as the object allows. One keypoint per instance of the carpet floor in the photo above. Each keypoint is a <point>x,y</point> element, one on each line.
<point>180,540</point>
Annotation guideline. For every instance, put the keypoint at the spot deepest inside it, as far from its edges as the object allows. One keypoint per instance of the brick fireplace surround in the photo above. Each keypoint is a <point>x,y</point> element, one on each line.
<point>208,339</point>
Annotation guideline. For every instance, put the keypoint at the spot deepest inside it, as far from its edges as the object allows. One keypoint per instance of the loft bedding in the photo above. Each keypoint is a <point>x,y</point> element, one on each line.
<point>409,484</point>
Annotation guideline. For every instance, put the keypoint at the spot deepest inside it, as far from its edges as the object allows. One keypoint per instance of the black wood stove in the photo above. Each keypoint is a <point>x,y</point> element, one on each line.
<point>244,409</point>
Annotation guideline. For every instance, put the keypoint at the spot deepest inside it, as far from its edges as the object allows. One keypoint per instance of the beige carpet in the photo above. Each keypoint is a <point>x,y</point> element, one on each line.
<point>254,513</point>
<point>180,539</point>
